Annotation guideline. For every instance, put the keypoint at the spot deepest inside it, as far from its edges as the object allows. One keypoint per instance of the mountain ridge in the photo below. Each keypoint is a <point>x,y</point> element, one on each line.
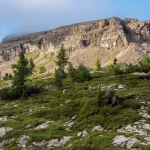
<point>127,39</point>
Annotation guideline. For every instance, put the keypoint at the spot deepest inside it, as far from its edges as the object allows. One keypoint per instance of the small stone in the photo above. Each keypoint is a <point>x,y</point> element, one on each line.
<point>121,87</point>
<point>65,91</point>
<point>43,126</point>
<point>97,128</point>
<point>56,143</point>
<point>3,119</point>
<point>74,117</point>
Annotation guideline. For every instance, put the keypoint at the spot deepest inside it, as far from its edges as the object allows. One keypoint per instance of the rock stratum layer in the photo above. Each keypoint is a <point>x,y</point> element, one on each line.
<point>128,40</point>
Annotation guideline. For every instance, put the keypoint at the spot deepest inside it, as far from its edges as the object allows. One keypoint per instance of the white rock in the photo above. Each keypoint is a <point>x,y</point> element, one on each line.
<point>70,124</point>
<point>3,118</point>
<point>40,144</point>
<point>120,141</point>
<point>43,126</point>
<point>146,115</point>
<point>146,126</point>
<point>15,105</point>
<point>65,91</point>
<point>121,87</point>
<point>14,117</point>
<point>125,142</point>
<point>97,128</point>
<point>56,143</point>
<point>6,142</point>
<point>22,141</point>
<point>83,133</point>
<point>68,101</point>
<point>129,128</point>
<point>74,117</point>
<point>4,130</point>
<point>132,142</point>
<point>140,73</point>
<point>147,139</point>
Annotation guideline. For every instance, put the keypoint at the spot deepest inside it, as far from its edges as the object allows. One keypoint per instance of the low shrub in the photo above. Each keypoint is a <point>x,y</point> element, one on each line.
<point>114,69</point>
<point>131,104</point>
<point>13,93</point>
<point>80,74</point>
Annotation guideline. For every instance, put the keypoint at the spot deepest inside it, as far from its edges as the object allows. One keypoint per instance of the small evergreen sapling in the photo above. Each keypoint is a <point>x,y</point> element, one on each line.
<point>97,65</point>
<point>115,61</point>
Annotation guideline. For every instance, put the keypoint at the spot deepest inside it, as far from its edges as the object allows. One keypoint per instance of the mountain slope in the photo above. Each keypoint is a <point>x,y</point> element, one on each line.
<point>71,118</point>
<point>128,39</point>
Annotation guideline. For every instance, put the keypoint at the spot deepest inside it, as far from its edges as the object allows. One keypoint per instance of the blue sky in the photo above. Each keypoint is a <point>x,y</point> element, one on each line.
<point>24,16</point>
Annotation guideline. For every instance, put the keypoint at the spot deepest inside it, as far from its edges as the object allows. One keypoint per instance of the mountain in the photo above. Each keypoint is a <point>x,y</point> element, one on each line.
<point>128,40</point>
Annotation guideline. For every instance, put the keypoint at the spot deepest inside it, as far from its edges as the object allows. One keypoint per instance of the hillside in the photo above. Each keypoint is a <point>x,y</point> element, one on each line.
<point>128,40</point>
<point>71,119</point>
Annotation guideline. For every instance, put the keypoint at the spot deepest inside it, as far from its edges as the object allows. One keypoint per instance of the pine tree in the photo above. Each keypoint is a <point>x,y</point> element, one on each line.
<point>97,65</point>
<point>21,71</point>
<point>62,60</point>
<point>115,61</point>
<point>31,66</point>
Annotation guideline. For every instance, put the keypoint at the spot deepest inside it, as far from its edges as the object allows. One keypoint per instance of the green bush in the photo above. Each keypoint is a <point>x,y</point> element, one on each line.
<point>114,69</point>
<point>80,74</point>
<point>10,93</point>
<point>13,93</point>
<point>131,104</point>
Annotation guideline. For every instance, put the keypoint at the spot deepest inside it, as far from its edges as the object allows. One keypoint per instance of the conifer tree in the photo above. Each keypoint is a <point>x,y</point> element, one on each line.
<point>97,65</point>
<point>115,61</point>
<point>21,71</point>
<point>62,60</point>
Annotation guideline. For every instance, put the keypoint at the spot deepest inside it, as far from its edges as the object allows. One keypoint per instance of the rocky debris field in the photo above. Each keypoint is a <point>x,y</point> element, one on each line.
<point>71,119</point>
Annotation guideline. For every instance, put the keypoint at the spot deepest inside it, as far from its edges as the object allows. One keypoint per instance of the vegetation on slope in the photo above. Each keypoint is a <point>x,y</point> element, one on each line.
<point>78,102</point>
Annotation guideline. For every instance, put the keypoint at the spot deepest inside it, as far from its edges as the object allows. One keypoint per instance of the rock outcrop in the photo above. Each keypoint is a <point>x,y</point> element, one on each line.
<point>128,40</point>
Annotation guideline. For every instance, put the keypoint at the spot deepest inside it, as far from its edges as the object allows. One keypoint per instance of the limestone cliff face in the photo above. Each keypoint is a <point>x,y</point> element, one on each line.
<point>84,42</point>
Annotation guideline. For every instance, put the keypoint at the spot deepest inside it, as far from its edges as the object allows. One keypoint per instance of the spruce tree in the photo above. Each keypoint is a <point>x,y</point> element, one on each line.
<point>97,65</point>
<point>21,71</point>
<point>62,60</point>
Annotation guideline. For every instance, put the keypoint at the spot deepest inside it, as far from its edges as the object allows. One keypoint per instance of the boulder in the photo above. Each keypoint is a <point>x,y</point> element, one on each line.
<point>4,130</point>
<point>23,140</point>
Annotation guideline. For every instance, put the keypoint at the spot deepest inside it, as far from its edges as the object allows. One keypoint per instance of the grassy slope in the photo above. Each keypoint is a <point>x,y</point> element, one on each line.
<point>55,106</point>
